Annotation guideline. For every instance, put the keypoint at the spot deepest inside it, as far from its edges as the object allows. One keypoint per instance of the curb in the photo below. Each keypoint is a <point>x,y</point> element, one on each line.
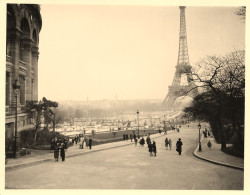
<point>27,164</point>
<point>215,162</point>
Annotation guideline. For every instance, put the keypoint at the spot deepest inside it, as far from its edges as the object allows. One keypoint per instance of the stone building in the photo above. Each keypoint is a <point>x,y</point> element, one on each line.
<point>24,23</point>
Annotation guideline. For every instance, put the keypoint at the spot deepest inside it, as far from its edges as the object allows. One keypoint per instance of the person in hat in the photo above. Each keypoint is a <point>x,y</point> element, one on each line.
<point>179,146</point>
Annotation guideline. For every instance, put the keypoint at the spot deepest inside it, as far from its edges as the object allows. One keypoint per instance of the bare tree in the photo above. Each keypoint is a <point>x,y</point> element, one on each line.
<point>242,13</point>
<point>225,78</point>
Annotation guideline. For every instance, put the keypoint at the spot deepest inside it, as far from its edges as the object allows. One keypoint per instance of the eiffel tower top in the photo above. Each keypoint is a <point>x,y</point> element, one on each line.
<point>183,58</point>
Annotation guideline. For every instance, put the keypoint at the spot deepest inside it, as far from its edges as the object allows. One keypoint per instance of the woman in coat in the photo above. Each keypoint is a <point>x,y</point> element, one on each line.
<point>179,146</point>
<point>170,143</point>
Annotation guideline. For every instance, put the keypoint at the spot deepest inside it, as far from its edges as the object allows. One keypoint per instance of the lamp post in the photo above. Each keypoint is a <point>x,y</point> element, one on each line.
<point>16,87</point>
<point>138,120</point>
<point>199,127</point>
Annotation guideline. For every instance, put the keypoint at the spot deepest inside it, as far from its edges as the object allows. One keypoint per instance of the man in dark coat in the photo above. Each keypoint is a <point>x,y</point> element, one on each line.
<point>62,148</point>
<point>150,149</point>
<point>148,141</point>
<point>154,148</point>
<point>179,146</point>
<point>90,143</point>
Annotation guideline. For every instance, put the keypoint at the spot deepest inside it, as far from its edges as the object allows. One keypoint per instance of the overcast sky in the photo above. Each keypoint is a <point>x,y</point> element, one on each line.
<point>125,52</point>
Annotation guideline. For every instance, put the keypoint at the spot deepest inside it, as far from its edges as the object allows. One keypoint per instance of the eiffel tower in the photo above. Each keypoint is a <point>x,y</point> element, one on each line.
<point>183,80</point>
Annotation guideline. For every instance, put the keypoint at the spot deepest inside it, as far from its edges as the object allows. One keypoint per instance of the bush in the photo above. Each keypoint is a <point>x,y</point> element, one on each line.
<point>44,137</point>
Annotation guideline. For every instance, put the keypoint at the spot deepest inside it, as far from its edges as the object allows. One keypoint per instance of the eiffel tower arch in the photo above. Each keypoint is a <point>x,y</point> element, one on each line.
<point>183,79</point>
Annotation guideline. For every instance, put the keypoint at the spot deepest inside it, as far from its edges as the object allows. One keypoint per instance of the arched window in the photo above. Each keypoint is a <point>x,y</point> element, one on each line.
<point>25,34</point>
<point>34,36</point>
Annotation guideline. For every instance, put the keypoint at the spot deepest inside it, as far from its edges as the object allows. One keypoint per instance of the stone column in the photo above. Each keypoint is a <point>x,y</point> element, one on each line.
<point>8,89</point>
<point>35,55</point>
<point>26,57</point>
<point>13,38</point>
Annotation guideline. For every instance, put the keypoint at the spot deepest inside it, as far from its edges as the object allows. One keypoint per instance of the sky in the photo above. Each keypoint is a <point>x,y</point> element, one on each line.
<point>100,52</point>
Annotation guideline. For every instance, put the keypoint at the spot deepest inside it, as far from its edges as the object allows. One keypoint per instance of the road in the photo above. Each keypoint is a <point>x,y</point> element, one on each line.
<point>131,167</point>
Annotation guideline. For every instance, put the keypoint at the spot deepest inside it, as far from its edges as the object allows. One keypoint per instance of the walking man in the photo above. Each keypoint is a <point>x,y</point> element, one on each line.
<point>179,146</point>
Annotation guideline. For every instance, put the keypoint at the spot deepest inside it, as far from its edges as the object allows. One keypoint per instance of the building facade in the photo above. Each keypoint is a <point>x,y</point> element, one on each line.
<point>24,24</point>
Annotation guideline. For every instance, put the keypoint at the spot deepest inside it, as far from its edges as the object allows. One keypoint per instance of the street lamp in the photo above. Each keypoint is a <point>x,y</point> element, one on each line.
<point>16,87</point>
<point>138,120</point>
<point>199,127</point>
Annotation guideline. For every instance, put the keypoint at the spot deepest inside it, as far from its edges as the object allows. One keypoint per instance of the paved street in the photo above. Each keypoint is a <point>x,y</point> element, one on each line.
<point>131,167</point>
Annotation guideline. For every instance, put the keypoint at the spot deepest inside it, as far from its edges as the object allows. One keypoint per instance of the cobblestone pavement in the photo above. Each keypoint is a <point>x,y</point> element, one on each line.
<point>131,167</point>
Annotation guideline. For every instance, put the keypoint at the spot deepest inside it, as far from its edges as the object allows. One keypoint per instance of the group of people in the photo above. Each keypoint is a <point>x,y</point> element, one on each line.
<point>152,144</point>
<point>168,143</point>
<point>86,143</point>
<point>59,146</point>
<point>206,133</point>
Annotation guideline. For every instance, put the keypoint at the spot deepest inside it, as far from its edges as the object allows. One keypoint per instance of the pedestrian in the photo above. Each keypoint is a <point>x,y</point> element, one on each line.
<point>209,144</point>
<point>154,148</point>
<point>56,152</point>
<point>65,144</point>
<point>124,137</point>
<point>150,149</point>
<point>52,144</point>
<point>62,149</point>
<point>136,140</point>
<point>142,141</point>
<point>166,143</point>
<point>148,140</point>
<point>76,139</point>
<point>84,143</point>
<point>179,146</point>
<point>170,143</point>
<point>90,143</point>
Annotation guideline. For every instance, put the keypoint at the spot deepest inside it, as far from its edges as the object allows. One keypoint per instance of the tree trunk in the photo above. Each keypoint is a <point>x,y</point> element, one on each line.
<point>34,142</point>
<point>221,128</point>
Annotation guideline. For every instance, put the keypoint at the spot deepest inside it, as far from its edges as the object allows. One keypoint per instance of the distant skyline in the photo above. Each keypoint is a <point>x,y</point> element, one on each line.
<point>125,52</point>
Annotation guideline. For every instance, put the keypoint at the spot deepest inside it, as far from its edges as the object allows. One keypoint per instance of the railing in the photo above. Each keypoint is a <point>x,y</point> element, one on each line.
<point>8,58</point>
<point>23,66</point>
<point>22,63</point>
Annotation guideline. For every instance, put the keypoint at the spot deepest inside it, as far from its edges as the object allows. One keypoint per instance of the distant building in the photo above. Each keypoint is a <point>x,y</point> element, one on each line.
<point>24,23</point>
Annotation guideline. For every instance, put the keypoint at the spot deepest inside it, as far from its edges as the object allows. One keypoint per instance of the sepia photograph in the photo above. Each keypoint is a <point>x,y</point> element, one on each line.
<point>123,95</point>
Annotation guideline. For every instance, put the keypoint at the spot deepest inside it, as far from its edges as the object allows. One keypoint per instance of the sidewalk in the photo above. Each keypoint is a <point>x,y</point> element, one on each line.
<point>39,156</point>
<point>215,155</point>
